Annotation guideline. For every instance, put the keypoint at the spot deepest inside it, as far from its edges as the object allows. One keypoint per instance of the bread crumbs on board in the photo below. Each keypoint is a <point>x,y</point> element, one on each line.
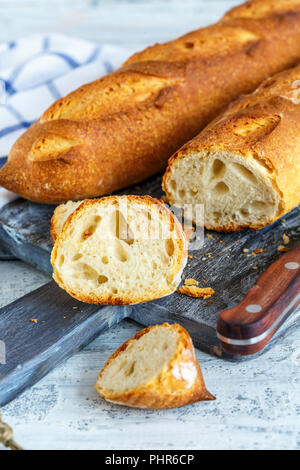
<point>197,292</point>
<point>257,252</point>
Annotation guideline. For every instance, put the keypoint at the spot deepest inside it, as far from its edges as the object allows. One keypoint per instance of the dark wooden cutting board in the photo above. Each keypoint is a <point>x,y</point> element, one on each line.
<point>65,325</point>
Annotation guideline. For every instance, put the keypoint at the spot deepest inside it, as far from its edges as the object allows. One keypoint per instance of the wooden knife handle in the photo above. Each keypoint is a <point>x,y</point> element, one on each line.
<point>247,328</point>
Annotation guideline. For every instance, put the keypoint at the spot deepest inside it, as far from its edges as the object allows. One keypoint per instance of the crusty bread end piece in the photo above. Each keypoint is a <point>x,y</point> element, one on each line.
<point>155,369</point>
<point>245,166</point>
<point>119,250</point>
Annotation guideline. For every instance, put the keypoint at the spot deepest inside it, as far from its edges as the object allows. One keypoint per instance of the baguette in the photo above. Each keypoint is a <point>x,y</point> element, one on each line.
<point>245,166</point>
<point>120,250</point>
<point>121,129</point>
<point>155,369</point>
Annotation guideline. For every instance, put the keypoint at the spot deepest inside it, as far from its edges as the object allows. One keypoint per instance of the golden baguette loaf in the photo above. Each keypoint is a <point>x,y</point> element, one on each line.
<point>245,166</point>
<point>155,369</point>
<point>119,250</point>
<point>121,129</point>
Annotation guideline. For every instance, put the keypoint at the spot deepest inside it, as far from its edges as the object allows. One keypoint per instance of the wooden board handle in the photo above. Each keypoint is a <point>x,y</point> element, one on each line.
<point>247,328</point>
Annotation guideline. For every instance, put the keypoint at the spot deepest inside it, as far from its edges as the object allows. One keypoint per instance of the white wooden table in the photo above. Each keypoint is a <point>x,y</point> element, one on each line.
<point>257,401</point>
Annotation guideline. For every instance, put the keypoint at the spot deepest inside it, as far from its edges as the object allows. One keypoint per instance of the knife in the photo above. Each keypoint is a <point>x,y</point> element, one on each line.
<point>248,327</point>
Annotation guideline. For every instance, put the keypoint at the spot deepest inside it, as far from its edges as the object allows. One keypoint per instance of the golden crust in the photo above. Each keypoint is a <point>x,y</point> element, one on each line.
<point>122,128</point>
<point>197,292</point>
<point>263,126</point>
<point>114,299</point>
<point>168,389</point>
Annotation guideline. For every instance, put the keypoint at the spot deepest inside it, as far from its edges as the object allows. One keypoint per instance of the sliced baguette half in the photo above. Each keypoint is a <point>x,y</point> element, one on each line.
<point>120,250</point>
<point>155,369</point>
<point>245,166</point>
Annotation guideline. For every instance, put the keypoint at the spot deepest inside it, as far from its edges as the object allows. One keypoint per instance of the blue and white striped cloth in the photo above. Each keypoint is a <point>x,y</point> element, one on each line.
<point>36,71</point>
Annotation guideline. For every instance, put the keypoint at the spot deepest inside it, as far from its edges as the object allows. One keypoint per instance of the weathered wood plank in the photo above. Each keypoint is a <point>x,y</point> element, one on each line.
<point>256,406</point>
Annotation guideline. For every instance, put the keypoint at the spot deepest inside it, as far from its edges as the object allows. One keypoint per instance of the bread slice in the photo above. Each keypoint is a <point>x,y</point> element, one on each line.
<point>60,215</point>
<point>120,250</point>
<point>155,369</point>
<point>245,166</point>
